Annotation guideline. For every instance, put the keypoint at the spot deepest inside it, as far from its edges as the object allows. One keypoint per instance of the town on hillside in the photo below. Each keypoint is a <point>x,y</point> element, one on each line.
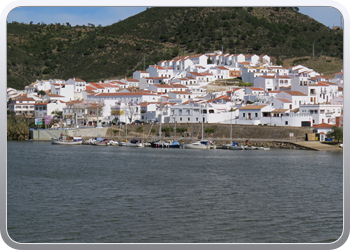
<point>185,90</point>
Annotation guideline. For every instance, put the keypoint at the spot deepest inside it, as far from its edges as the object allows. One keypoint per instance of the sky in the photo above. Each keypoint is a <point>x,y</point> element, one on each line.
<point>104,16</point>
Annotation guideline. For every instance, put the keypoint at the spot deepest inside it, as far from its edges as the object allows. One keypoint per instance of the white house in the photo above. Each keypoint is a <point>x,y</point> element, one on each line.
<point>140,74</point>
<point>180,96</point>
<point>79,84</point>
<point>199,59</point>
<point>131,82</point>
<point>236,94</point>
<point>44,109</point>
<point>296,99</point>
<point>22,106</point>
<point>253,59</point>
<point>160,88</point>
<point>265,114</point>
<point>252,114</point>
<point>193,112</point>
<point>220,72</point>
<point>322,113</point>
<point>65,90</point>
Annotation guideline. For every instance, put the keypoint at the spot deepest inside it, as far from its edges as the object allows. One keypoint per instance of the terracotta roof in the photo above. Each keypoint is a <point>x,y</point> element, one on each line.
<point>53,95</point>
<point>196,73</point>
<point>24,99</point>
<point>277,111</point>
<point>283,77</point>
<point>233,90</point>
<point>162,86</point>
<point>96,85</point>
<point>323,125</point>
<point>253,107</point>
<point>268,77</point>
<point>181,92</point>
<point>79,80</point>
<point>132,80</point>
<point>220,67</point>
<point>124,94</point>
<point>295,93</point>
<point>284,100</point>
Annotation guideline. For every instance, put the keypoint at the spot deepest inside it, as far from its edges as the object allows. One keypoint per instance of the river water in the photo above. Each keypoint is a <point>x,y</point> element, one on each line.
<point>85,194</point>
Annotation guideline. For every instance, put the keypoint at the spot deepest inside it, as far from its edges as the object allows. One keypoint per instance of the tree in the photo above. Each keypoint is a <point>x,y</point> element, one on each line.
<point>336,133</point>
<point>209,131</point>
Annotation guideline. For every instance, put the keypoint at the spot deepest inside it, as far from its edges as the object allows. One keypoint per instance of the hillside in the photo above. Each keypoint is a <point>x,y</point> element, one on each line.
<point>47,51</point>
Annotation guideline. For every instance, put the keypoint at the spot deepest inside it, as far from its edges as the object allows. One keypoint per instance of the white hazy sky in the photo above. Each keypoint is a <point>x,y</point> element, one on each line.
<point>329,16</point>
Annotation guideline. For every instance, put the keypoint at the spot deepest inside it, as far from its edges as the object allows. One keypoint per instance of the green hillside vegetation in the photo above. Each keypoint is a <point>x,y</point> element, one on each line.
<point>326,65</point>
<point>94,53</point>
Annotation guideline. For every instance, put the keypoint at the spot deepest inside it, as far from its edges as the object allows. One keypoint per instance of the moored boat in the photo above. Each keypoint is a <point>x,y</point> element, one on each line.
<point>235,146</point>
<point>198,145</point>
<point>67,140</point>
<point>132,143</point>
<point>167,144</point>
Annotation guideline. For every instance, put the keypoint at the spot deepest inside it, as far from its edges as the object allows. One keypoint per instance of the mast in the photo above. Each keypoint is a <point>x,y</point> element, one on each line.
<point>202,122</point>
<point>160,123</point>
<point>231,127</point>
<point>126,124</point>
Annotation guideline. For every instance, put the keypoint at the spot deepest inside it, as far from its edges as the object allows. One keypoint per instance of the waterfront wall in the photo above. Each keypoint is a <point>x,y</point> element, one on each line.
<point>221,132</point>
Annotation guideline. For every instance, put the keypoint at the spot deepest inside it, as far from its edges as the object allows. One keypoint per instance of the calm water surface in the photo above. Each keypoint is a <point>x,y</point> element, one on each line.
<point>66,194</point>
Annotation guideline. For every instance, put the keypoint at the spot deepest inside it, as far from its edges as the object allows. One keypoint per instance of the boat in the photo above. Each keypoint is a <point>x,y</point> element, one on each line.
<point>203,144</point>
<point>132,143</point>
<point>89,141</point>
<point>100,142</point>
<point>235,146</point>
<point>167,144</point>
<point>67,140</point>
<point>113,143</point>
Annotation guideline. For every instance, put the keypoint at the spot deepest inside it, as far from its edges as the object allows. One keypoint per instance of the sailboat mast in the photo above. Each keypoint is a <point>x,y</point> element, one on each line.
<point>160,123</point>
<point>202,122</point>
<point>231,127</point>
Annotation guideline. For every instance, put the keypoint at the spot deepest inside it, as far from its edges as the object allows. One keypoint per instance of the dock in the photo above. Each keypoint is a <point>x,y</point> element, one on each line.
<point>316,145</point>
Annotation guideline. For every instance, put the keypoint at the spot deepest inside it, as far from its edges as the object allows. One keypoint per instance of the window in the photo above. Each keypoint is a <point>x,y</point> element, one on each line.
<point>286,122</point>
<point>243,114</point>
<point>188,119</point>
<point>256,114</point>
<point>180,119</point>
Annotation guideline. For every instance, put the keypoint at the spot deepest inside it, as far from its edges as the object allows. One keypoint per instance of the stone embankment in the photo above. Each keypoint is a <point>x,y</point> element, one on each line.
<point>259,136</point>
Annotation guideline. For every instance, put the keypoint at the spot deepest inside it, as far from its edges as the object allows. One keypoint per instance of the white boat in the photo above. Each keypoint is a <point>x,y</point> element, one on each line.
<point>132,143</point>
<point>198,145</point>
<point>236,147</point>
<point>67,140</point>
<point>113,143</point>
<point>259,148</point>
<point>89,141</point>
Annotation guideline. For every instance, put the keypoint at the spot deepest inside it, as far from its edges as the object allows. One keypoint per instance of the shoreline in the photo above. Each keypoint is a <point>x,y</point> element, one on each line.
<point>270,143</point>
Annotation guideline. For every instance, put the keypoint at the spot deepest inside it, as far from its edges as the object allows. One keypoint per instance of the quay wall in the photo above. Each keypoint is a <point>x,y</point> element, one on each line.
<point>221,132</point>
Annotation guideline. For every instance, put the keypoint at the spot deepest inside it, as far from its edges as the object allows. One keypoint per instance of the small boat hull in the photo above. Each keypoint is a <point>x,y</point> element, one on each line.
<point>65,142</point>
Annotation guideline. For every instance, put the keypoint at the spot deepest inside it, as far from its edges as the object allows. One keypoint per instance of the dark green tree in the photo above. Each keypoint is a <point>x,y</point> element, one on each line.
<point>336,133</point>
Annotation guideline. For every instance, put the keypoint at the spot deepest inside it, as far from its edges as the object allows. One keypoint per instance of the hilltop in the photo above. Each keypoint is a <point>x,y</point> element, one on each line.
<point>93,53</point>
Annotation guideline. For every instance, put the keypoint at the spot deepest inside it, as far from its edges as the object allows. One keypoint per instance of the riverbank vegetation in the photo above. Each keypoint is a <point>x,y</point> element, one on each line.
<point>17,129</point>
